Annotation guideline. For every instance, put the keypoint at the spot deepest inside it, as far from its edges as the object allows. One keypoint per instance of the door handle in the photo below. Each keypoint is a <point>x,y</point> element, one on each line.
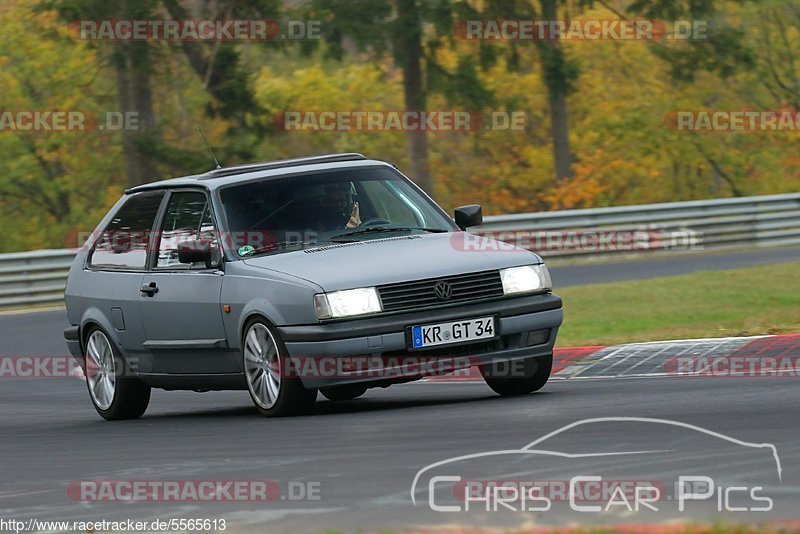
<point>150,289</point>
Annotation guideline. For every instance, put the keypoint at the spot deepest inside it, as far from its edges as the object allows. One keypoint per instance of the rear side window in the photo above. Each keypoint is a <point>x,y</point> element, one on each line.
<point>123,244</point>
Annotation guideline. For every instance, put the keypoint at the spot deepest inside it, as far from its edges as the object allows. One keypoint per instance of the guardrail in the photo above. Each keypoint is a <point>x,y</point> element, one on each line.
<point>38,277</point>
<point>770,220</point>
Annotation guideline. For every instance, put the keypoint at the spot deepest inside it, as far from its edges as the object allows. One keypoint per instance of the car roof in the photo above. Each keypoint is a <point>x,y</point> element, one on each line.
<point>243,173</point>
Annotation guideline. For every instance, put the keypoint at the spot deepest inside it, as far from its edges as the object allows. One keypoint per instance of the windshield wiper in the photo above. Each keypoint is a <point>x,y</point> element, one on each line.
<point>280,245</point>
<point>380,229</point>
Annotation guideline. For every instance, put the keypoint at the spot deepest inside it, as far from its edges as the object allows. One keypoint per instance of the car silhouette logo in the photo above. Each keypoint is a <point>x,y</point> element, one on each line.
<point>542,447</point>
<point>443,290</point>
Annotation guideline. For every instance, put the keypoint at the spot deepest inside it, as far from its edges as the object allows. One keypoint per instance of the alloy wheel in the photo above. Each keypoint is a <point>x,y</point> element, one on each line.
<point>262,365</point>
<point>101,370</point>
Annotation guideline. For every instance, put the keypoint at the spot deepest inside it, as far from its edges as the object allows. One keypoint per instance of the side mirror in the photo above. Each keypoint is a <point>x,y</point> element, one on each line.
<point>471,215</point>
<point>196,251</point>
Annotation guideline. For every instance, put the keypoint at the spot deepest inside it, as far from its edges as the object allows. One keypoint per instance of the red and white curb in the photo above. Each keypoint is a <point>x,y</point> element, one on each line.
<point>757,356</point>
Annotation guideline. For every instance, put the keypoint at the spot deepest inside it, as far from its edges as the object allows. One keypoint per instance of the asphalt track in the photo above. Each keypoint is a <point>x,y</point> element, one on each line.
<point>363,455</point>
<point>609,270</point>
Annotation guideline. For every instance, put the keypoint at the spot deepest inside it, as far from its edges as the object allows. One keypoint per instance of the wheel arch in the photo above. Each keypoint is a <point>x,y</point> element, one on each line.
<point>93,317</point>
<point>260,309</point>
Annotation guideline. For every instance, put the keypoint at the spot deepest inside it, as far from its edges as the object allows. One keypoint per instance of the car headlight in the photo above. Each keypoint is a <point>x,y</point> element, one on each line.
<point>525,279</point>
<point>347,303</point>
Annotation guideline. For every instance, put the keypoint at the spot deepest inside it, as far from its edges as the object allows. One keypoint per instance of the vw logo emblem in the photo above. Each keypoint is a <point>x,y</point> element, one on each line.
<point>443,290</point>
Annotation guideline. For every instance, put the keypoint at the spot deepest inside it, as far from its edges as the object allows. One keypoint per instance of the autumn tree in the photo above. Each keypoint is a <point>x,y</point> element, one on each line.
<point>411,31</point>
<point>219,67</point>
<point>51,181</point>
<point>133,63</point>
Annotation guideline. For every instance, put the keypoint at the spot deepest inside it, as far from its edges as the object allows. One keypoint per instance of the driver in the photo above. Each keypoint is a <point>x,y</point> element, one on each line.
<point>339,205</point>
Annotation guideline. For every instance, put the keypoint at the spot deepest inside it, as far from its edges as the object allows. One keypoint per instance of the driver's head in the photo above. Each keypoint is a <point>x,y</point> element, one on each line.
<point>327,206</point>
<point>338,197</point>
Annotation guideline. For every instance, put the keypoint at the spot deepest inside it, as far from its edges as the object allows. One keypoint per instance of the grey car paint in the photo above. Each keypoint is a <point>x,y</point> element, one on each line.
<point>382,261</point>
<point>181,339</point>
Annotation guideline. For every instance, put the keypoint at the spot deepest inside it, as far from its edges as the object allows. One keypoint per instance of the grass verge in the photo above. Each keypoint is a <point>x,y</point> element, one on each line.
<point>738,302</point>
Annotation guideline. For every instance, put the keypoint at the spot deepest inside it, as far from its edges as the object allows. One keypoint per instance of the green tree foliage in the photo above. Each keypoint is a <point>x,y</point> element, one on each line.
<point>51,182</point>
<point>412,31</point>
<point>618,93</point>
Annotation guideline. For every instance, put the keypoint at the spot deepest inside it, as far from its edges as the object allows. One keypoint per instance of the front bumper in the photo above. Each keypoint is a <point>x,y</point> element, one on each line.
<point>374,350</point>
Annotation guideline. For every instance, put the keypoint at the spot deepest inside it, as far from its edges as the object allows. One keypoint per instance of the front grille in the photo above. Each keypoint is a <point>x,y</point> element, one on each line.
<point>422,293</point>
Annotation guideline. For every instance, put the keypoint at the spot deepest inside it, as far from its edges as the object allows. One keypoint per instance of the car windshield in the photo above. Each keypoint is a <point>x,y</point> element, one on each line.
<point>299,211</point>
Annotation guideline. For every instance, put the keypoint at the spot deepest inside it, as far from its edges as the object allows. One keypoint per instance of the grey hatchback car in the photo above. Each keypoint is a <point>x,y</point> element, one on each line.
<point>329,274</point>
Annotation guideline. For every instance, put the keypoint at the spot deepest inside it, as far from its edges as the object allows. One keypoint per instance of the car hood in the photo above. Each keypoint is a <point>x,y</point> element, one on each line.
<point>395,259</point>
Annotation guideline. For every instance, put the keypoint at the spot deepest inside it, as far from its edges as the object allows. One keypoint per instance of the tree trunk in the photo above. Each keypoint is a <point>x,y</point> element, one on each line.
<point>408,52</point>
<point>132,65</point>
<point>201,63</point>
<point>559,128</point>
<point>553,71</point>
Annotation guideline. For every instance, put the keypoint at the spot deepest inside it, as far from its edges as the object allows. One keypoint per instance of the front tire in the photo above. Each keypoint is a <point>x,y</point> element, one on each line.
<point>343,393</point>
<point>274,394</point>
<point>114,393</point>
<point>518,377</point>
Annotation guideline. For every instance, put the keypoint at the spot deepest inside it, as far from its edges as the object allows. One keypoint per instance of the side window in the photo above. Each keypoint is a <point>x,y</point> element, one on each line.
<point>187,221</point>
<point>123,244</point>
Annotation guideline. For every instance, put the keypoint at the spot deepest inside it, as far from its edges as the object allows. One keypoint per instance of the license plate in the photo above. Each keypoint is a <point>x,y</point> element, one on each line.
<point>431,335</point>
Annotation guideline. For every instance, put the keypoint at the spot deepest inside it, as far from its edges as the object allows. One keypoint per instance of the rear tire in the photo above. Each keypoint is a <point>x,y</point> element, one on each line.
<point>343,393</point>
<point>115,394</point>
<point>274,394</point>
<point>518,377</point>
